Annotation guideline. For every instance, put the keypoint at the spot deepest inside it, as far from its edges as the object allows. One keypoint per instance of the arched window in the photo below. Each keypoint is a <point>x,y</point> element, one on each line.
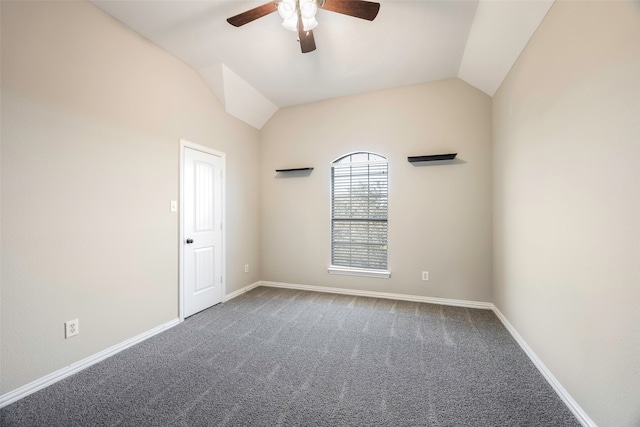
<point>359,202</point>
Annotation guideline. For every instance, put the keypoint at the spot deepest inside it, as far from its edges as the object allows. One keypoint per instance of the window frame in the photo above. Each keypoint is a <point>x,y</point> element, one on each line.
<point>349,270</point>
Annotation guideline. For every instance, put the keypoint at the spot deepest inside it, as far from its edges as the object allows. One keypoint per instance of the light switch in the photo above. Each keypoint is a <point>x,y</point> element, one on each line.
<point>174,206</point>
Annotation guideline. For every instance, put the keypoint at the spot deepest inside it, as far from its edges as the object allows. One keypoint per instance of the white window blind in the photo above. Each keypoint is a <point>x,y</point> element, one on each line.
<point>359,200</point>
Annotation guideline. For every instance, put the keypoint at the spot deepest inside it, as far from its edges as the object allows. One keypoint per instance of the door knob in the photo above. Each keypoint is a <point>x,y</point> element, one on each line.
<point>189,241</point>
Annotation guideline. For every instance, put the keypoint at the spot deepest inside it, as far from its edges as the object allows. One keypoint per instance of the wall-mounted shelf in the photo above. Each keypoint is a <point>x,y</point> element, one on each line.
<point>432,157</point>
<point>294,170</point>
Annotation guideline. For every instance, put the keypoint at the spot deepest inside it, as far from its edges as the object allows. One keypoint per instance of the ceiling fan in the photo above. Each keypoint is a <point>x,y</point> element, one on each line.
<point>299,15</point>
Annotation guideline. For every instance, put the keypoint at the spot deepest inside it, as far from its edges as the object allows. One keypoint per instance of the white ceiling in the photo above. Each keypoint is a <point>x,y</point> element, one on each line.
<point>257,68</point>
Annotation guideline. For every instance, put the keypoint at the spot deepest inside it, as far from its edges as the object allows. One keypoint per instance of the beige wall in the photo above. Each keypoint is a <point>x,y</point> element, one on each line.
<point>567,203</point>
<point>91,120</point>
<point>92,115</point>
<point>439,215</point>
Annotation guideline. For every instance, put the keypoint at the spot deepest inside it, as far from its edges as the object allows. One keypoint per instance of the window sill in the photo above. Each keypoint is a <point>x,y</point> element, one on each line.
<point>346,271</point>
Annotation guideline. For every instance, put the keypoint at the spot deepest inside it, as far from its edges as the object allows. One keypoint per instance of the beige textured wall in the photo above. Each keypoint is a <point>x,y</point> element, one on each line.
<point>439,215</point>
<point>567,203</point>
<point>92,115</point>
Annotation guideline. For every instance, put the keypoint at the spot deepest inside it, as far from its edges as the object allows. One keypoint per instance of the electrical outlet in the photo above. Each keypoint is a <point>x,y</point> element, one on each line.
<point>71,328</point>
<point>246,268</point>
<point>425,275</point>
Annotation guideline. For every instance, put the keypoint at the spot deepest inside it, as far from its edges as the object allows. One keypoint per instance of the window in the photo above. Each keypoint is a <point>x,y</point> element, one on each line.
<point>359,199</point>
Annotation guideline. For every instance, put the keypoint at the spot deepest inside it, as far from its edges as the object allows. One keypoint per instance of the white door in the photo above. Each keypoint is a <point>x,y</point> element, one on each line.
<point>202,235</point>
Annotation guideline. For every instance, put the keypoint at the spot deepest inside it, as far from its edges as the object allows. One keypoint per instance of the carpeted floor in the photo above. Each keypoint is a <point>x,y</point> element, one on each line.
<point>276,357</point>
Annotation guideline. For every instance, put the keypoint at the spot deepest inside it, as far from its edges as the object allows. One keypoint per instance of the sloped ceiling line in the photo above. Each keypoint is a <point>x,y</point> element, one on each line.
<point>257,68</point>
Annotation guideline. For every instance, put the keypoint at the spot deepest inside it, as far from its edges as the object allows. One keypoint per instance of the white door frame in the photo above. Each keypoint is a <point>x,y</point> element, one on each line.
<point>188,144</point>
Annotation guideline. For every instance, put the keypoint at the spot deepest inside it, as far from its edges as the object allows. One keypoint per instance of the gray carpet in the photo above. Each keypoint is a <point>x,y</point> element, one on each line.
<point>283,357</point>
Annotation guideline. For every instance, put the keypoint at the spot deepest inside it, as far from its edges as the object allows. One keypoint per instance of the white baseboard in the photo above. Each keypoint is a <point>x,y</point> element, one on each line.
<point>54,377</point>
<point>239,292</point>
<point>387,295</point>
<point>60,374</point>
<point>573,406</point>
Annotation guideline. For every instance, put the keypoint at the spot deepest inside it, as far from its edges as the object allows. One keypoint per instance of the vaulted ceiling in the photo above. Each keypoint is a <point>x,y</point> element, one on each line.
<point>257,68</point>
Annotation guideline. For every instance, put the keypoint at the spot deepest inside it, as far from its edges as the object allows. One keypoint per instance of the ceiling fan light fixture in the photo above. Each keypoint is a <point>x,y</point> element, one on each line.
<point>300,15</point>
<point>291,23</point>
<point>287,9</point>
<point>308,9</point>
<point>289,15</point>
<point>309,24</point>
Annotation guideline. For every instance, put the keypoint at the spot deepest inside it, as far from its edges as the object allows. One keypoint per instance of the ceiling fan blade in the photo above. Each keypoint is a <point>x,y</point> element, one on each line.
<point>358,8</point>
<point>307,42</point>
<point>252,14</point>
